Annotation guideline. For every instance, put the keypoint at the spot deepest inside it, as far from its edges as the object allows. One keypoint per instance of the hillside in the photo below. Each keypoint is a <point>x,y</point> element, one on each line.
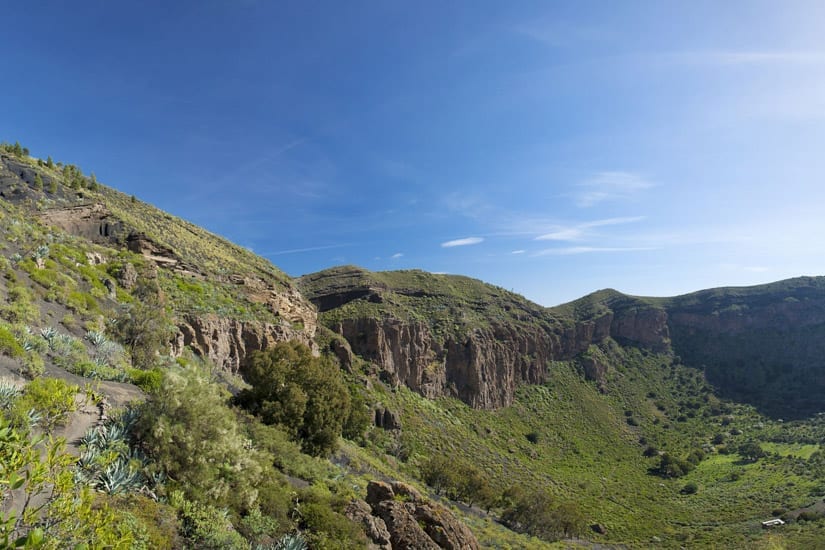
<point>760,345</point>
<point>389,410</point>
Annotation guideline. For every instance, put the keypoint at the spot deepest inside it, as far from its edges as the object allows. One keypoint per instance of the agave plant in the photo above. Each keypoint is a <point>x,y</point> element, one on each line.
<point>96,338</point>
<point>8,393</point>
<point>109,464</point>
<point>40,252</point>
<point>126,417</point>
<point>291,542</point>
<point>33,418</point>
<point>48,333</point>
<point>119,477</point>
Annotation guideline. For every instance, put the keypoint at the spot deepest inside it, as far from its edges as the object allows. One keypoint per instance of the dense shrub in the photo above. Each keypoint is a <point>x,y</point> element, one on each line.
<point>306,395</point>
<point>671,466</point>
<point>8,344</point>
<point>689,489</point>
<point>192,434</point>
<point>534,512</point>
<point>144,326</point>
<point>51,398</point>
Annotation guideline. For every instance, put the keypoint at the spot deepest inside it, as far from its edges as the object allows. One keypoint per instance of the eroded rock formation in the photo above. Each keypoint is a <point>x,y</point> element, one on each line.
<point>484,366</point>
<point>89,221</point>
<point>227,342</point>
<point>410,521</point>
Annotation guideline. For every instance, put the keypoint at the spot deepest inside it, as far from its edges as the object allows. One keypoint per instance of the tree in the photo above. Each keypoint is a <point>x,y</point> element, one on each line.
<point>38,182</point>
<point>533,511</point>
<point>306,395</point>
<point>143,327</point>
<point>751,451</point>
<point>439,473</point>
<point>568,519</point>
<point>52,186</point>
<point>671,466</point>
<point>193,435</point>
<point>472,485</point>
<point>359,417</point>
<point>529,512</point>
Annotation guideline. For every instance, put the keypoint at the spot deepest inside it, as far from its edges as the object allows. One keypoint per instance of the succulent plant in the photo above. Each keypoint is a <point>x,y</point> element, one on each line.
<point>96,338</point>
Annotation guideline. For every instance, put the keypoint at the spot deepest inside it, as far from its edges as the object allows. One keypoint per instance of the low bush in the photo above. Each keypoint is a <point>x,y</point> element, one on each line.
<point>9,345</point>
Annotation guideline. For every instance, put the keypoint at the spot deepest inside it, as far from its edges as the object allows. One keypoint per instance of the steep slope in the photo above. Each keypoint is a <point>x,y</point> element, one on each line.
<point>227,301</point>
<point>447,335</point>
<point>763,345</point>
<point>455,336</point>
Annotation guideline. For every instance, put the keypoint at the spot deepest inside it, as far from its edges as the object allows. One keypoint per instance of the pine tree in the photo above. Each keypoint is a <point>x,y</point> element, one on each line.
<point>38,182</point>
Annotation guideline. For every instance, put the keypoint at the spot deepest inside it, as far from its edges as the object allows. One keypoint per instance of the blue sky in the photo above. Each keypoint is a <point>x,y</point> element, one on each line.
<point>552,148</point>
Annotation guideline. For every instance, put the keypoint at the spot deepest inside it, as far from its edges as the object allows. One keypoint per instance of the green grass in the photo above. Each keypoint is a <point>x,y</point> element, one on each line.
<point>587,452</point>
<point>798,450</point>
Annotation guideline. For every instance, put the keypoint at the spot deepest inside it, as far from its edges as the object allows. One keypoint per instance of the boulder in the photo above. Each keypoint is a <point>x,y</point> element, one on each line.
<point>405,533</point>
<point>413,522</point>
<point>377,492</point>
<point>359,512</point>
<point>444,528</point>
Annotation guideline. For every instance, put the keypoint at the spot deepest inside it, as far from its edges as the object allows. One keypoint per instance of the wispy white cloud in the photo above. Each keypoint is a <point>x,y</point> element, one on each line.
<point>580,231</point>
<point>605,186</point>
<point>396,255</point>
<point>562,234</point>
<point>462,242</point>
<point>559,34</point>
<point>746,57</point>
<point>571,250</point>
<point>308,249</point>
<point>518,252</point>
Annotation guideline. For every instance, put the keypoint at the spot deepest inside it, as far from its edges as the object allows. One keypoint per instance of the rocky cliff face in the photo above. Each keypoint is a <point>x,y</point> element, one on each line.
<point>766,348</point>
<point>90,221</point>
<point>763,345</point>
<point>227,342</point>
<point>484,366</point>
<point>398,516</point>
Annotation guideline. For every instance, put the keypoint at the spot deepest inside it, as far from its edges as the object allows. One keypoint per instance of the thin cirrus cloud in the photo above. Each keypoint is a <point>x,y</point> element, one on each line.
<point>397,255</point>
<point>572,250</point>
<point>606,186</point>
<point>746,57</point>
<point>462,242</point>
<point>580,231</point>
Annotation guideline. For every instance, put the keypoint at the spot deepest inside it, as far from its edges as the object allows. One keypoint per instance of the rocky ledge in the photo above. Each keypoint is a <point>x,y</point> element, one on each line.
<point>396,516</point>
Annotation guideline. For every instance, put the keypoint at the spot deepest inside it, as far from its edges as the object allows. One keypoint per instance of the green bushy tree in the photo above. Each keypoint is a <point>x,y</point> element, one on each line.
<point>306,395</point>
<point>196,439</point>
<point>534,512</point>
<point>144,327</point>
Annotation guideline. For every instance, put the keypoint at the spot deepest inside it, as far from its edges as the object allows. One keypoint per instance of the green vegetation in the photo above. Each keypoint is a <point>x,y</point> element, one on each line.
<point>68,514</point>
<point>587,453</point>
<point>449,304</point>
<point>305,395</point>
<point>682,447</point>
<point>50,398</point>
